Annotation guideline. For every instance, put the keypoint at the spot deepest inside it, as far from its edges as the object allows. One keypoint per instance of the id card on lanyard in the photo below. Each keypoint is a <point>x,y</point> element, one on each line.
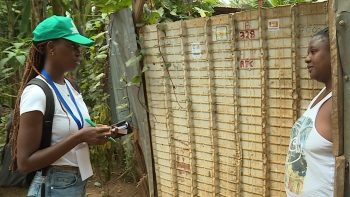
<point>82,154</point>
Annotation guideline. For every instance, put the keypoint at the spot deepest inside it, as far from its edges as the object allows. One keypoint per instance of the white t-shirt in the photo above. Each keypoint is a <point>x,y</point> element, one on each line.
<point>310,163</point>
<point>34,99</point>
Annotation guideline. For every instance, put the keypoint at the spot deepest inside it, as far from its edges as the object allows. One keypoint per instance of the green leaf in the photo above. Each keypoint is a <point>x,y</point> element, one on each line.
<point>161,26</point>
<point>21,59</point>
<point>154,17</point>
<point>159,55</point>
<point>95,86</point>
<point>168,65</point>
<point>122,78</point>
<point>122,106</point>
<point>3,62</point>
<point>140,24</point>
<point>133,60</point>
<point>84,85</point>
<point>7,70</point>
<point>18,45</point>
<point>10,54</point>
<point>137,52</point>
<point>201,11</point>
<point>104,48</point>
<point>160,11</point>
<point>108,9</point>
<point>99,41</point>
<point>140,40</point>
<point>145,68</point>
<point>103,193</point>
<point>173,12</point>
<point>25,19</point>
<point>210,1</point>
<point>99,35</point>
<point>168,4</point>
<point>136,79</point>
<point>101,56</point>
<point>98,77</point>
<point>97,184</point>
<point>104,15</point>
<point>128,116</point>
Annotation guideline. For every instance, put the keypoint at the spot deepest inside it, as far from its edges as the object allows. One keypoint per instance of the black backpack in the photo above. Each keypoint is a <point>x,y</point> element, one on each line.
<point>17,179</point>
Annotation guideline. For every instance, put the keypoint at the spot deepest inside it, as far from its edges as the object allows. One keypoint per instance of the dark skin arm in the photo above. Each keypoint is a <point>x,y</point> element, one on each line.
<point>29,158</point>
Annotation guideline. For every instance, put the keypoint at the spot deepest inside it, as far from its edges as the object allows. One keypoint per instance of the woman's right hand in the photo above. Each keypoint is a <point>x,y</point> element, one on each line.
<point>94,135</point>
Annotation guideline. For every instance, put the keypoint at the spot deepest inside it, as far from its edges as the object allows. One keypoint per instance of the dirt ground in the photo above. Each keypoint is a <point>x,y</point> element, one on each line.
<point>114,188</point>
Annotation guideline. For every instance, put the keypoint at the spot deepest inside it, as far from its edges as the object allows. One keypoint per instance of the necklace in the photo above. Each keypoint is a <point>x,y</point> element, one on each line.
<point>63,89</point>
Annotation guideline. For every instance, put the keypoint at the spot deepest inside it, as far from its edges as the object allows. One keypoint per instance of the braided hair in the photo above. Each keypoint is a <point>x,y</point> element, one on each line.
<point>34,64</point>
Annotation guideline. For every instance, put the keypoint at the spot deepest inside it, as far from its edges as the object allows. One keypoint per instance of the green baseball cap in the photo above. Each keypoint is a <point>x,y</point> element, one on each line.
<point>56,27</point>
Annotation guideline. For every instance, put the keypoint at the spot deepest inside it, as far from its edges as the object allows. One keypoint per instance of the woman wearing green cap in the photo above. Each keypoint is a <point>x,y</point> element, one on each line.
<point>54,52</point>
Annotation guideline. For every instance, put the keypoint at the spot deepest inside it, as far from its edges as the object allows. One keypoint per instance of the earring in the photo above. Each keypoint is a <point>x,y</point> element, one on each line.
<point>52,53</point>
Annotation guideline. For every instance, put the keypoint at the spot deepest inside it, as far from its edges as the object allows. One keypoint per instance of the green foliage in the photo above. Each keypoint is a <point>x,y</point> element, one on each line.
<point>173,10</point>
<point>14,24</point>
<point>109,6</point>
<point>2,131</point>
<point>254,4</point>
<point>12,66</point>
<point>130,169</point>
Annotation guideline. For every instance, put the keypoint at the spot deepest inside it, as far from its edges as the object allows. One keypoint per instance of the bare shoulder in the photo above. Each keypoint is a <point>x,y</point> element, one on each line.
<point>323,120</point>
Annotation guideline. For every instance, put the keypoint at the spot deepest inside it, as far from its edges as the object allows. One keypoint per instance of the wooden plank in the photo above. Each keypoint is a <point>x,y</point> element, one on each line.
<point>236,129</point>
<point>264,99</point>
<point>339,31</point>
<point>168,115</point>
<point>189,112</point>
<point>337,84</point>
<point>339,178</point>
<point>212,106</point>
<point>295,64</point>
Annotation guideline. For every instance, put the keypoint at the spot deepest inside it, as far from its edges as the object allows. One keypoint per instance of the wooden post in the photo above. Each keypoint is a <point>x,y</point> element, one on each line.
<point>189,111</point>
<point>137,8</point>
<point>237,131</point>
<point>36,12</point>
<point>339,22</point>
<point>264,98</point>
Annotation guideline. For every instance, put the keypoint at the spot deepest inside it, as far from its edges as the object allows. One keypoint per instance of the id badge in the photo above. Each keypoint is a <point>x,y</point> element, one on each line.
<point>83,157</point>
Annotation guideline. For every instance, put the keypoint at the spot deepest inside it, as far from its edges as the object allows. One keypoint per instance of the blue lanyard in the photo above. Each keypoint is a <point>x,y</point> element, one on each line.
<point>79,123</point>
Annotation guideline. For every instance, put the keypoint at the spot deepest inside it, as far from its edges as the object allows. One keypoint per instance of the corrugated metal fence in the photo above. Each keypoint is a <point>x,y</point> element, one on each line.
<point>237,84</point>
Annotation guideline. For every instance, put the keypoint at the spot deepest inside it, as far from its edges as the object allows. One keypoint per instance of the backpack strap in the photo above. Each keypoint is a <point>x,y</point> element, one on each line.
<point>74,84</point>
<point>47,124</point>
<point>49,112</point>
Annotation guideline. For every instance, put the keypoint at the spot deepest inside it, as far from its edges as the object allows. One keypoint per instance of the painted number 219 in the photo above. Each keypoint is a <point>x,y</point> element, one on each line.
<point>247,34</point>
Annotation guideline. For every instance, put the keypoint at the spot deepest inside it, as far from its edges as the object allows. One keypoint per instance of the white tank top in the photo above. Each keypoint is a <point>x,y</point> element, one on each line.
<point>310,163</point>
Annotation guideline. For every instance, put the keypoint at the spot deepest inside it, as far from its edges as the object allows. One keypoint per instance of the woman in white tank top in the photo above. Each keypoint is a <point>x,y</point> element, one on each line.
<point>310,163</point>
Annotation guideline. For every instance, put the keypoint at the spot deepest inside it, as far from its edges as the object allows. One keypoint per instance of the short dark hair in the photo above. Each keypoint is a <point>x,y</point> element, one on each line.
<point>324,34</point>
